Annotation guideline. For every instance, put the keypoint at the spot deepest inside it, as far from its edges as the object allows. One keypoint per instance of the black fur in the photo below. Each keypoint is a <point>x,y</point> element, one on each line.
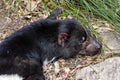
<point>24,51</point>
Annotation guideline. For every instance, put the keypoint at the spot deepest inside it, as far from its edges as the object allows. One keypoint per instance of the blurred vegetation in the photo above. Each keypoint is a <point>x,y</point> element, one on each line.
<point>84,10</point>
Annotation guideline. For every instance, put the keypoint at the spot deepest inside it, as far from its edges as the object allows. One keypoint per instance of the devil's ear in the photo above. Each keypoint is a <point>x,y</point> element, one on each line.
<point>69,17</point>
<point>61,38</point>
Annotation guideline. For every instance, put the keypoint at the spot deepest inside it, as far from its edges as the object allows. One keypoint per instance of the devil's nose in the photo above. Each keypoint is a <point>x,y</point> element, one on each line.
<point>93,48</point>
<point>97,45</point>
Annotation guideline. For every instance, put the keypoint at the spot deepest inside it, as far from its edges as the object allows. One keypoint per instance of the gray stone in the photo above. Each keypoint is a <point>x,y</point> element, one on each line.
<point>112,41</point>
<point>106,70</point>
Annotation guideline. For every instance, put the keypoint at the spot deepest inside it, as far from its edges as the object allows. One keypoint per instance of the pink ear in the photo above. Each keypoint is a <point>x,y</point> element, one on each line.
<point>61,38</point>
<point>69,17</point>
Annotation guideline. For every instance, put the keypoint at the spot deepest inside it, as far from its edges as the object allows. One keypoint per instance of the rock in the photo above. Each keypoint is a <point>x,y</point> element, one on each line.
<point>106,70</point>
<point>112,41</point>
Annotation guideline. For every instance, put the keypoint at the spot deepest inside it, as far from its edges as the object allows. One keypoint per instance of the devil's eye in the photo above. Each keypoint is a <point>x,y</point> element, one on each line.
<point>82,39</point>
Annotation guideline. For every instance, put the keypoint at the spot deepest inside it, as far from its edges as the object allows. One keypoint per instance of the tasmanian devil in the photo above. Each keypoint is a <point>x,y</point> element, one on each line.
<point>25,51</point>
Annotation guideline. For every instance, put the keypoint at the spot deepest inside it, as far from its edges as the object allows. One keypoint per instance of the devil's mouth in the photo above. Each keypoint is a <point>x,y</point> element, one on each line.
<point>84,52</point>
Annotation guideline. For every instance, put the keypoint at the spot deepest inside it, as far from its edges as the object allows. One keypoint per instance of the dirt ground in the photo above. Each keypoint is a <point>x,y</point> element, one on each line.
<point>59,70</point>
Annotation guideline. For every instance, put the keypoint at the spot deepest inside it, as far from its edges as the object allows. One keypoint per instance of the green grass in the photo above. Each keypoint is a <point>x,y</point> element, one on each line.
<point>108,10</point>
<point>83,10</point>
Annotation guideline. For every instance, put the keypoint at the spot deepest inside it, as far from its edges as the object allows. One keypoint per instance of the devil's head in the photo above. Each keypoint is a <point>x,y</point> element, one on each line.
<point>74,38</point>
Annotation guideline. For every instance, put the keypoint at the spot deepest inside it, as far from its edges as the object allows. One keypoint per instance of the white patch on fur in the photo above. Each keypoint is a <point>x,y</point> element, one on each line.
<point>52,59</point>
<point>45,62</point>
<point>10,77</point>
